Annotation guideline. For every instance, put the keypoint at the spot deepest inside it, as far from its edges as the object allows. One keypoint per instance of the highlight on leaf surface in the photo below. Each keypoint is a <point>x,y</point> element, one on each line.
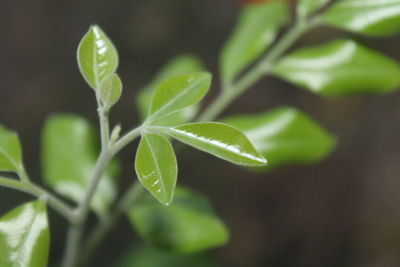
<point>70,148</point>
<point>188,225</point>
<point>339,68</point>
<point>97,57</point>
<point>256,30</point>
<point>156,167</point>
<point>369,17</point>
<point>24,236</point>
<point>177,93</point>
<point>10,151</point>
<point>307,7</point>
<point>286,136</point>
<point>180,65</point>
<point>220,140</point>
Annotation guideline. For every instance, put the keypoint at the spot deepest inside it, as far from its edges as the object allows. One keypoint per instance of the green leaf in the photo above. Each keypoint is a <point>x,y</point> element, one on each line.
<point>146,256</point>
<point>188,225</point>
<point>307,7</point>
<point>177,93</point>
<point>70,148</point>
<point>286,136</point>
<point>110,90</point>
<point>24,236</point>
<point>256,30</point>
<point>370,17</point>
<point>10,151</point>
<point>156,167</point>
<point>339,68</point>
<point>97,57</point>
<point>180,65</point>
<point>220,140</point>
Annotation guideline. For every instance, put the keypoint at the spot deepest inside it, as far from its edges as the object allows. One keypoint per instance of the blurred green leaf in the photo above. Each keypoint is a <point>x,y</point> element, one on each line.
<point>286,136</point>
<point>24,236</point>
<point>342,67</point>
<point>188,225</point>
<point>220,140</point>
<point>146,256</point>
<point>307,7</point>
<point>177,93</point>
<point>256,30</point>
<point>370,17</point>
<point>10,151</point>
<point>156,167</point>
<point>69,151</point>
<point>180,65</point>
<point>110,90</point>
<point>97,57</point>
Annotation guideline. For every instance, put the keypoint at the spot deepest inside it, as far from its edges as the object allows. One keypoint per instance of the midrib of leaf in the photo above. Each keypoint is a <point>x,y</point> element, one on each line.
<point>167,105</point>
<point>96,77</point>
<point>160,176</point>
<point>36,214</point>
<point>11,160</point>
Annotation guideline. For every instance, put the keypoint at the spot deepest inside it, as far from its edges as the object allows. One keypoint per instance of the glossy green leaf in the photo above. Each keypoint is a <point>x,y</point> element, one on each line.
<point>10,151</point>
<point>180,65</point>
<point>188,225</point>
<point>24,236</point>
<point>370,17</point>
<point>70,148</point>
<point>110,90</point>
<point>156,167</point>
<point>338,68</point>
<point>146,256</point>
<point>307,7</point>
<point>220,140</point>
<point>286,136</point>
<point>256,30</point>
<point>97,57</point>
<point>177,93</point>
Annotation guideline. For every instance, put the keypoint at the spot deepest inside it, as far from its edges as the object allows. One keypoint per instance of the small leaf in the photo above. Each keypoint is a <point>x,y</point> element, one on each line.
<point>286,136</point>
<point>220,140</point>
<point>97,57</point>
<point>146,256</point>
<point>10,151</point>
<point>370,17</point>
<point>256,30</point>
<point>156,167</point>
<point>110,90</point>
<point>24,236</point>
<point>188,225</point>
<point>70,148</point>
<point>307,7</point>
<point>180,65</point>
<point>339,68</point>
<point>177,93</point>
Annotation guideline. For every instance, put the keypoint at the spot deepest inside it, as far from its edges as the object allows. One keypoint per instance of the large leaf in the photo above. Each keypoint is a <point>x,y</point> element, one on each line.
<point>156,167</point>
<point>371,17</point>
<point>146,256</point>
<point>177,93</point>
<point>220,140</point>
<point>97,57</point>
<point>286,136</point>
<point>180,65</point>
<point>338,68</point>
<point>69,152</point>
<point>307,7</point>
<point>256,30</point>
<point>10,151</point>
<point>24,236</point>
<point>188,225</point>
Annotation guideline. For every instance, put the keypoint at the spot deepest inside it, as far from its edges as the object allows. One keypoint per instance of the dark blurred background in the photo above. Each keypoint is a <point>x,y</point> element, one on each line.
<point>344,211</point>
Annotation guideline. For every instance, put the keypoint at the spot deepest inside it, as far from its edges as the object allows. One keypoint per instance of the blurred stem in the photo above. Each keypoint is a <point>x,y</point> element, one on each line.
<point>109,221</point>
<point>263,67</point>
<point>30,188</point>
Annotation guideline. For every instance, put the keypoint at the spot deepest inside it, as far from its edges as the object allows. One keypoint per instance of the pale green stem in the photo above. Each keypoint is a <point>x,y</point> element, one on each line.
<point>37,191</point>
